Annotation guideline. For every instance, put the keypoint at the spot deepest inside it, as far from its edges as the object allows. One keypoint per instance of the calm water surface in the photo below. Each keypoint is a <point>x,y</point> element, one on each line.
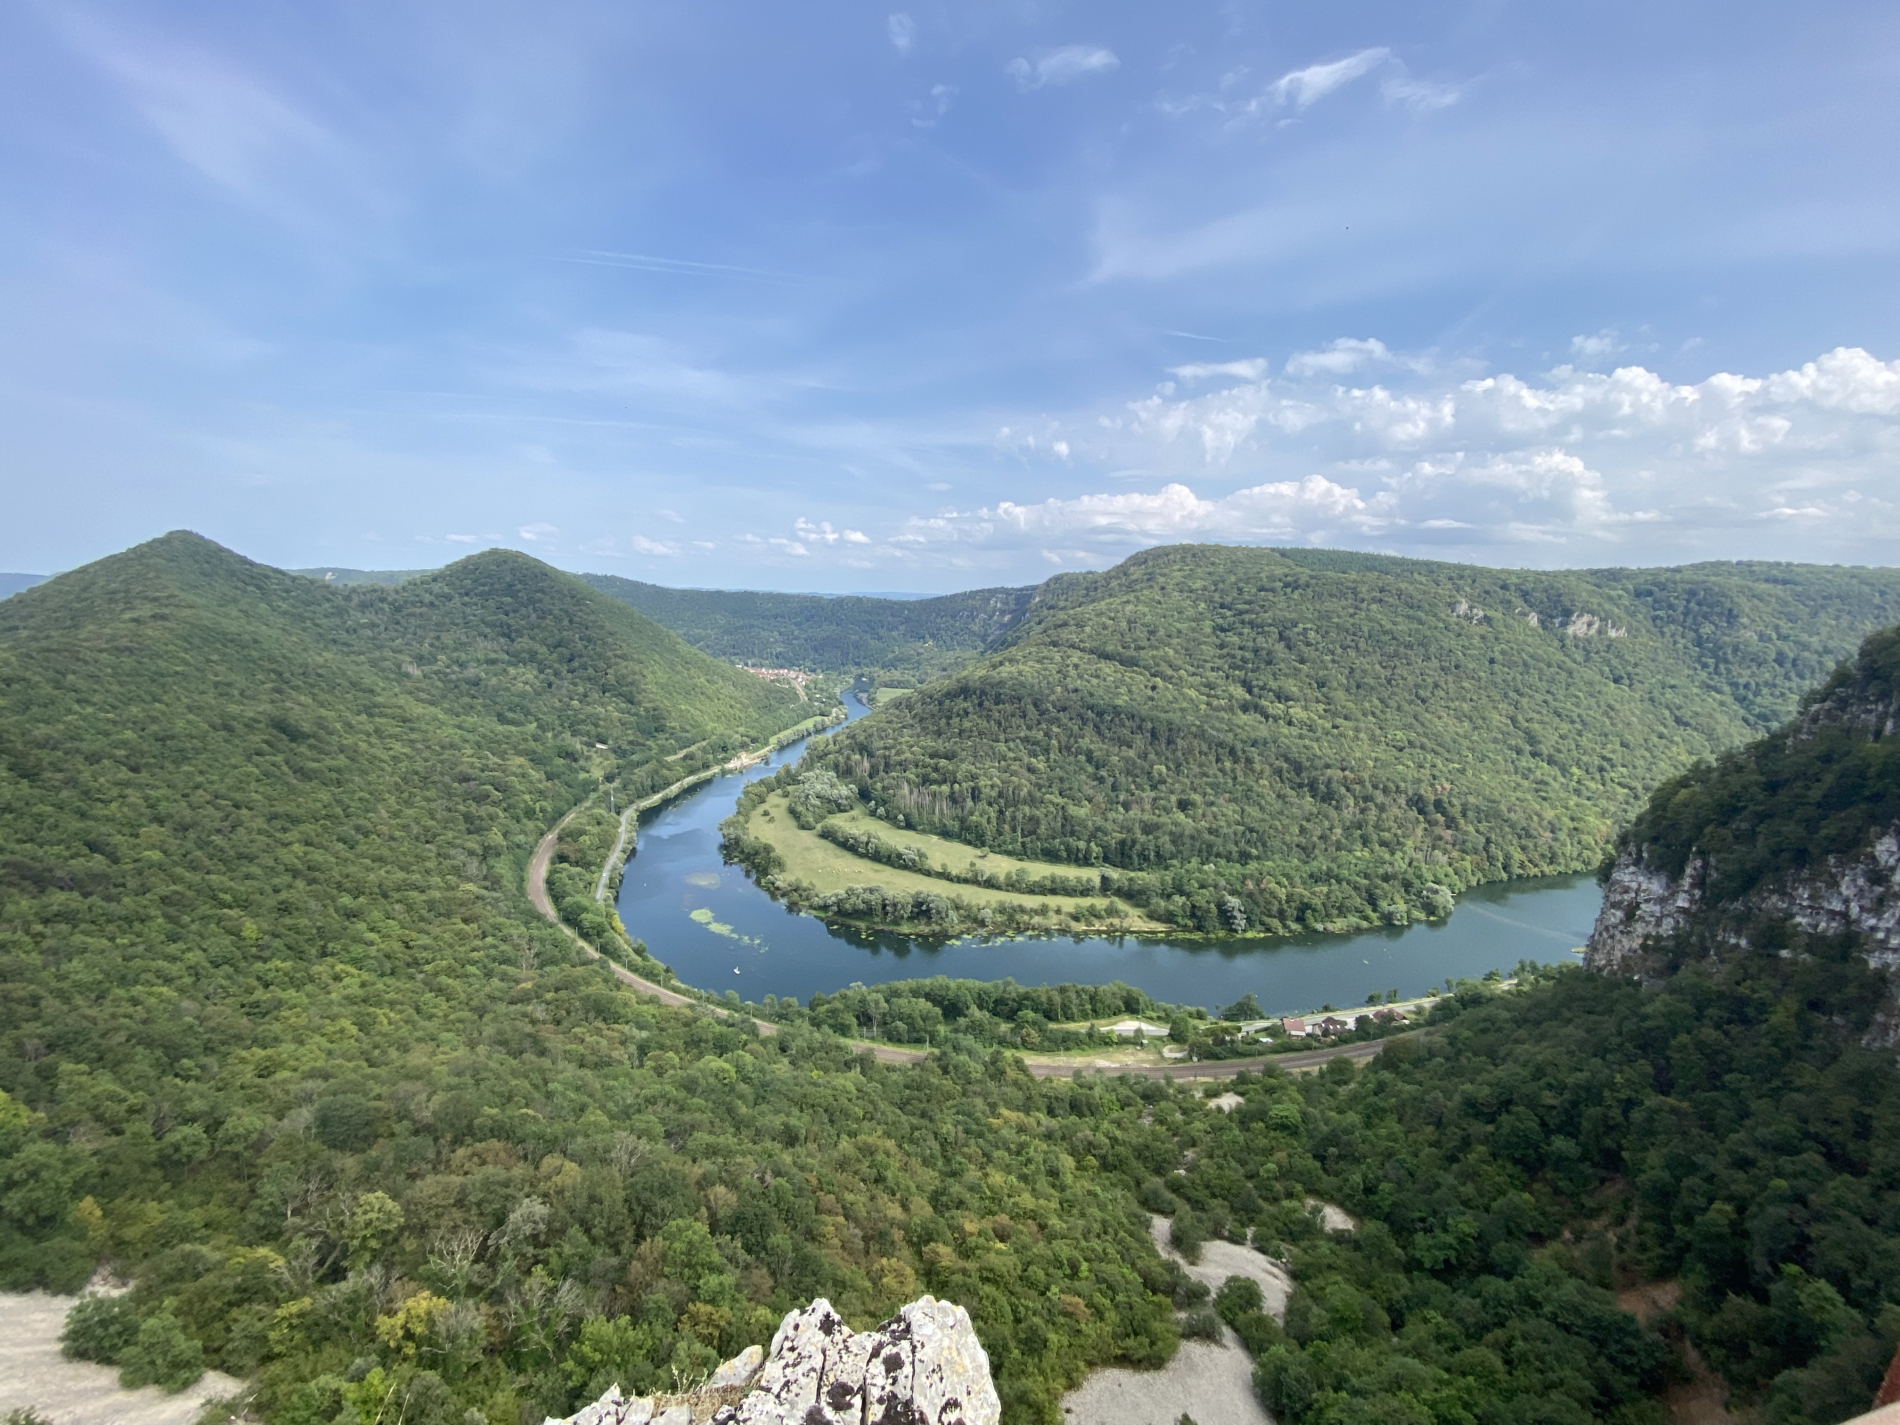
<point>745,941</point>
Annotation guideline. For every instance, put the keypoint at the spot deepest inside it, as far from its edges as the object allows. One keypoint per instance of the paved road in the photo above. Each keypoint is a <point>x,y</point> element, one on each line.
<point>1224,1069</point>
<point>538,894</point>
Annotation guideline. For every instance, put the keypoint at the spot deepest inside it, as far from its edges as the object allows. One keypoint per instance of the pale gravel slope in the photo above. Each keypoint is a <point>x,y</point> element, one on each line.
<point>33,1373</point>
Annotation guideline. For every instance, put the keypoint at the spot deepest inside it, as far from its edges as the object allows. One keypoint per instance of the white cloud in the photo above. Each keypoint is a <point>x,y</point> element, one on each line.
<point>928,112</point>
<point>1621,466</point>
<point>1590,349</point>
<point>1277,510</point>
<point>538,533</point>
<point>1251,369</point>
<point>819,533</point>
<point>856,536</point>
<point>903,32</point>
<point>640,544</point>
<point>1303,87</point>
<point>1343,356</point>
<point>1061,66</point>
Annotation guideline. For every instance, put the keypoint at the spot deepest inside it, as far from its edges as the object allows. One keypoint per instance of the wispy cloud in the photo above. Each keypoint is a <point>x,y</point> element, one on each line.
<point>1345,355</point>
<point>903,32</point>
<point>1421,96</point>
<point>1251,369</point>
<point>1061,66</point>
<point>684,267</point>
<point>225,122</point>
<point>1304,87</point>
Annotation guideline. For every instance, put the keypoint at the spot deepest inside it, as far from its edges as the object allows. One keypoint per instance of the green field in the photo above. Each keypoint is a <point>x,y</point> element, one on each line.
<point>823,867</point>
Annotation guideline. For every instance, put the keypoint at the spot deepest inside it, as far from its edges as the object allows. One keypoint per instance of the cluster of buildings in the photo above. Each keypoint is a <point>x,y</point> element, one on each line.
<point>1294,1027</point>
<point>796,677</point>
<point>1329,1025</point>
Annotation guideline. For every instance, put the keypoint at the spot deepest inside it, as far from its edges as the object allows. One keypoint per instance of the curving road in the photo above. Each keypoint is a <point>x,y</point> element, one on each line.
<point>538,895</point>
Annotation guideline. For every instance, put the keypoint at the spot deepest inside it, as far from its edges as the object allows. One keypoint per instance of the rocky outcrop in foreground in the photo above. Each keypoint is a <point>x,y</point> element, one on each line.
<point>922,1367</point>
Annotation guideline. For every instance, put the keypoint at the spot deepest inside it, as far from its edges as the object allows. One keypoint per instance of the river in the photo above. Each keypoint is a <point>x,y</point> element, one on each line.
<point>719,931</point>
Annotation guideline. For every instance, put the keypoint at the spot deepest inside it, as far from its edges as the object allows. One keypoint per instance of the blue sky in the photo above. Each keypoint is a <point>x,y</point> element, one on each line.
<point>856,296</point>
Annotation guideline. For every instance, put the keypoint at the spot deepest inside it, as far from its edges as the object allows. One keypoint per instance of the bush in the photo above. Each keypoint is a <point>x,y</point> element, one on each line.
<point>1201,1325</point>
<point>162,1355</point>
<point>99,1328</point>
<point>1237,1297</point>
<point>1187,1234</point>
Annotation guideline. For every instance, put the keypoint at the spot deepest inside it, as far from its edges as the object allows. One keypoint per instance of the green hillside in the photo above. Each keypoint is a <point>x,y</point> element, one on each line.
<point>1271,740</point>
<point>852,633</point>
<point>1827,785</point>
<point>281,1039</point>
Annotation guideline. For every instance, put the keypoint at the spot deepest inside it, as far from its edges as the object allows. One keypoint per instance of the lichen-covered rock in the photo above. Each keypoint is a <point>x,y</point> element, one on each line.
<point>924,1366</point>
<point>740,1369</point>
<point>611,1409</point>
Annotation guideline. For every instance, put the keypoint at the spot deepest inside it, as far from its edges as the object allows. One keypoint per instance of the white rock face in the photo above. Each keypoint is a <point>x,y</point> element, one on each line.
<point>1639,905</point>
<point>922,1367</point>
<point>612,1409</point>
<point>740,1369</point>
<point>1861,894</point>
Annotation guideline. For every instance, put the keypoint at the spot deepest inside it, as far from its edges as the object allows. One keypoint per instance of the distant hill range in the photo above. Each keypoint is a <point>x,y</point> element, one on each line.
<point>11,584</point>
<point>846,633</point>
<point>1284,739</point>
<point>905,637</point>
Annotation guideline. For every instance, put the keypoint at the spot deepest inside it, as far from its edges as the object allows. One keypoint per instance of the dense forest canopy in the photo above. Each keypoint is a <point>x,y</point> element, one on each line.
<point>850,633</point>
<point>281,1041</point>
<point>1298,739</point>
<point>280,1036</point>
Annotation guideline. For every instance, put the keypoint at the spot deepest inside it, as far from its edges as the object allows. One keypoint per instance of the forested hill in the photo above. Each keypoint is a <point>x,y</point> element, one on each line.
<point>1275,739</point>
<point>281,1040</point>
<point>921,637</point>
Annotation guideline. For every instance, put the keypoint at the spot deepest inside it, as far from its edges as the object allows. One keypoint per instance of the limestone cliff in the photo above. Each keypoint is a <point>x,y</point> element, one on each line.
<point>924,1366</point>
<point>1801,828</point>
